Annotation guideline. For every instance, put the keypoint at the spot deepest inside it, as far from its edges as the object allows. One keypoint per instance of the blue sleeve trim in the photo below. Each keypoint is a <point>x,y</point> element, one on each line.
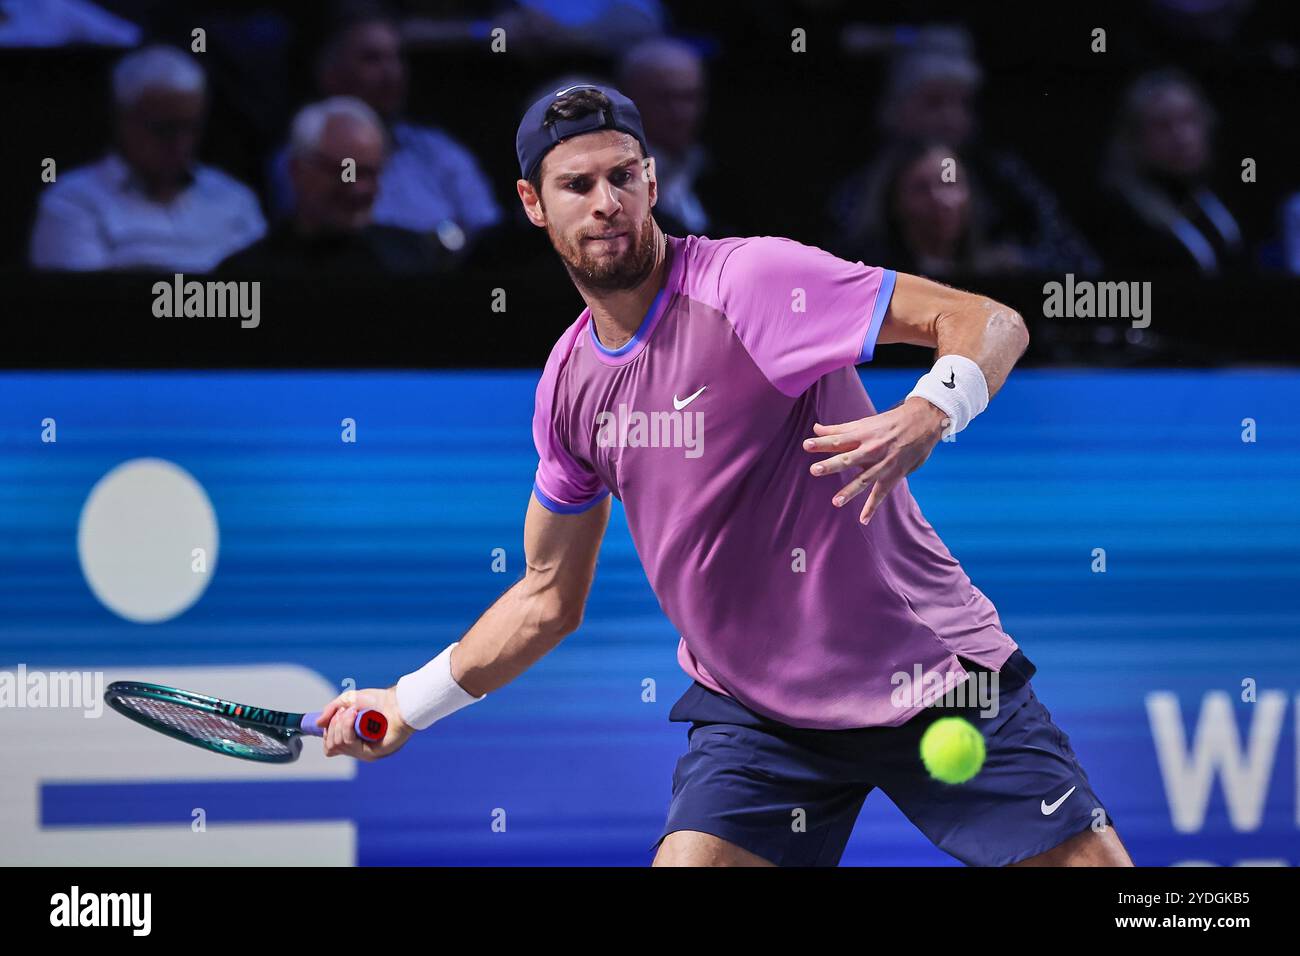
<point>883,295</point>
<point>560,508</point>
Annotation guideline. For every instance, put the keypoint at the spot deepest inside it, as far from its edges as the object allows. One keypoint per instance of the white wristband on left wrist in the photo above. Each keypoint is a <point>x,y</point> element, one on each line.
<point>955,385</point>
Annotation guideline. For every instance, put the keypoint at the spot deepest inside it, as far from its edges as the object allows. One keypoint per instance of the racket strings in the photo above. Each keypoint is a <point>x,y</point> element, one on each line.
<point>207,727</point>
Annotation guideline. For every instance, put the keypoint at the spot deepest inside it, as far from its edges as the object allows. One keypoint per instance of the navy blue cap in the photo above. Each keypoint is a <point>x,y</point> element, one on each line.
<point>535,139</point>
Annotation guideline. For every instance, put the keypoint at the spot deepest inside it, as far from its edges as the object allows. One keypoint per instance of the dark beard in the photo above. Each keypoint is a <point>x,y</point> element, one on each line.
<point>613,275</point>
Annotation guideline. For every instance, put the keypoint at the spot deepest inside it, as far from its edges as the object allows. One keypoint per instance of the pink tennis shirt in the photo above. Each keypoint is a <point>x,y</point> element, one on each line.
<point>697,425</point>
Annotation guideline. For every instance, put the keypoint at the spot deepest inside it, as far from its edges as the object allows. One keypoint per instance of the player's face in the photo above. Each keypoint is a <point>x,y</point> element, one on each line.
<point>595,203</point>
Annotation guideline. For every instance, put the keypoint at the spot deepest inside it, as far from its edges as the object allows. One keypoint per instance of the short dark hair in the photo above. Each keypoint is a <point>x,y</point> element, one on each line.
<point>572,105</point>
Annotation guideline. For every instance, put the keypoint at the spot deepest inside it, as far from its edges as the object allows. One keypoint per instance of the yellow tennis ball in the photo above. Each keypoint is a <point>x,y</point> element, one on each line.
<point>952,750</point>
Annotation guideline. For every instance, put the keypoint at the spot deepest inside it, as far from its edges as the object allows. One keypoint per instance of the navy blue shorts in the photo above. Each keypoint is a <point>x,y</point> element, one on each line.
<point>791,795</point>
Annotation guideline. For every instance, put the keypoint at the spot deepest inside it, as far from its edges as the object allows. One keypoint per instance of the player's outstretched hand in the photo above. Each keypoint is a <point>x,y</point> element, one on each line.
<point>340,718</point>
<point>882,448</point>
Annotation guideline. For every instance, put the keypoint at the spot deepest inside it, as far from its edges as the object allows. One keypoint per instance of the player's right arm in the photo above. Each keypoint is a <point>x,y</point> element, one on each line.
<point>526,622</point>
<point>543,608</point>
<point>566,520</point>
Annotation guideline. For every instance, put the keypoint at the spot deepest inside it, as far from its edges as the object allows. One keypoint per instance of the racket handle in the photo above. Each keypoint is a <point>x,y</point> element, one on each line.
<point>371,725</point>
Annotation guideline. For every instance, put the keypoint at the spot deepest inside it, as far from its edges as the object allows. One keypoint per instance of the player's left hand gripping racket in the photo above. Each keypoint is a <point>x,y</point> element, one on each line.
<point>225,727</point>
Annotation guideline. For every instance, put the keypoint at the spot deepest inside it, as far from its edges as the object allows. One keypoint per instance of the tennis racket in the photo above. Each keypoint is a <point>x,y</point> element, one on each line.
<point>225,727</point>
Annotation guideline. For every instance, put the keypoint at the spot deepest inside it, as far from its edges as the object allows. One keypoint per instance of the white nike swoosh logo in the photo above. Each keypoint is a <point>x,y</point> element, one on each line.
<point>1050,808</point>
<point>679,405</point>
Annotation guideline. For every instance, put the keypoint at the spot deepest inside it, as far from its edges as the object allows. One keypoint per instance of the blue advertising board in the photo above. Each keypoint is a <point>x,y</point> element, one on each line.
<point>1137,532</point>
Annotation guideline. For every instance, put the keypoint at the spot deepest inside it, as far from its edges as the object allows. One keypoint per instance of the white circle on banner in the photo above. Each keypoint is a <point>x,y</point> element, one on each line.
<point>147,540</point>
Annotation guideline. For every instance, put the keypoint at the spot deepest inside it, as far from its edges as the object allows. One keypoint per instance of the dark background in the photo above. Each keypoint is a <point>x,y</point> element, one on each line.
<point>782,129</point>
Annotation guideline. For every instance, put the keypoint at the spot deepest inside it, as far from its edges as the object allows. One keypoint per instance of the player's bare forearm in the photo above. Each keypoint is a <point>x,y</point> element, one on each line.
<point>511,636</point>
<point>881,450</point>
<point>989,333</point>
<point>953,322</point>
<point>541,609</point>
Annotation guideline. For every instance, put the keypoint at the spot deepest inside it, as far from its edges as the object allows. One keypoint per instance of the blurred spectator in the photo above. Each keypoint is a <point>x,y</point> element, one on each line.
<point>918,214</point>
<point>665,78</point>
<point>1162,212</point>
<point>148,203</point>
<point>1290,214</point>
<point>1217,34</point>
<point>332,231</point>
<point>930,95</point>
<point>431,183</point>
<point>601,27</point>
<point>50,23</point>
<point>541,28</point>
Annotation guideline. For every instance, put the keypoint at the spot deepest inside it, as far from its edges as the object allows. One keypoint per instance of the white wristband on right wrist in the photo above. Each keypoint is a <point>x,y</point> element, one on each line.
<point>431,693</point>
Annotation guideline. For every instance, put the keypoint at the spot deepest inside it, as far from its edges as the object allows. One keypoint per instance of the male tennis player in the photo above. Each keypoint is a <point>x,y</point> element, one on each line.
<point>695,387</point>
